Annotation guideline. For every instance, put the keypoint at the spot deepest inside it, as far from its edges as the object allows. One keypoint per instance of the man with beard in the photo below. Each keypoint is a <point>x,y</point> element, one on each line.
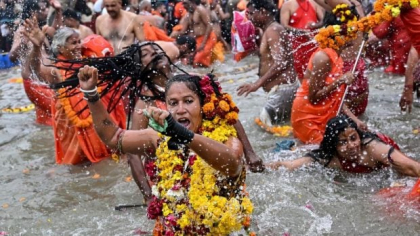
<point>119,27</point>
<point>182,47</point>
<point>277,75</point>
<point>157,71</point>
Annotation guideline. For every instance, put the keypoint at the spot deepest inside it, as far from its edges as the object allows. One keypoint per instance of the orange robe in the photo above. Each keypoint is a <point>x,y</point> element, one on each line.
<point>41,96</point>
<point>309,120</point>
<point>153,33</point>
<point>73,143</point>
<point>204,56</point>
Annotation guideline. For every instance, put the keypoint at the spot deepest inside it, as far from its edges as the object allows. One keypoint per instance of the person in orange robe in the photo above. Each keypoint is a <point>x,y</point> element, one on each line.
<point>400,44</point>
<point>75,138</point>
<point>411,19</point>
<point>298,16</point>
<point>319,97</point>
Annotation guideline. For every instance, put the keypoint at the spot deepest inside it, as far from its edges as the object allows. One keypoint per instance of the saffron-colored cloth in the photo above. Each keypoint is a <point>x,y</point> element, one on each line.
<point>359,86</point>
<point>41,96</point>
<point>218,52</point>
<point>309,120</point>
<point>153,33</point>
<point>400,44</point>
<point>203,57</point>
<point>74,144</point>
<point>302,45</point>
<point>180,10</point>
<point>411,21</point>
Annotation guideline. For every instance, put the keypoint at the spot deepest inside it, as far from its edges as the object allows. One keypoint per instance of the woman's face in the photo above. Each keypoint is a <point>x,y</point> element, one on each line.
<point>72,49</point>
<point>184,105</point>
<point>349,144</point>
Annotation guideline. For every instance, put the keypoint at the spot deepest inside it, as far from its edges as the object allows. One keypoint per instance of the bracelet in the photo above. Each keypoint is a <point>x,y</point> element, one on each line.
<point>93,98</point>
<point>89,91</point>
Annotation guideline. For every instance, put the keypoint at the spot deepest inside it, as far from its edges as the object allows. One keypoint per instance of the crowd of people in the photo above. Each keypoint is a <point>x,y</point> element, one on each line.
<point>107,76</point>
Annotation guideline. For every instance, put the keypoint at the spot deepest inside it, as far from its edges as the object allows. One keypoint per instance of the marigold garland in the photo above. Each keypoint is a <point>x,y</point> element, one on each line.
<point>336,36</point>
<point>73,115</point>
<point>186,193</point>
<point>280,131</point>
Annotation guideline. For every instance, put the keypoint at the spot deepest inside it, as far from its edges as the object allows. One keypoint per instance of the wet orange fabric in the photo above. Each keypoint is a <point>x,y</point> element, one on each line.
<point>180,10</point>
<point>218,52</point>
<point>153,33</point>
<point>177,28</point>
<point>203,57</point>
<point>74,144</point>
<point>41,96</point>
<point>411,21</point>
<point>309,120</point>
<point>302,46</point>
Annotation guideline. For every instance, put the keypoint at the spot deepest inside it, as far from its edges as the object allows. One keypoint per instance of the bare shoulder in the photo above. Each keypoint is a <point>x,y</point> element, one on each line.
<point>321,58</point>
<point>236,145</point>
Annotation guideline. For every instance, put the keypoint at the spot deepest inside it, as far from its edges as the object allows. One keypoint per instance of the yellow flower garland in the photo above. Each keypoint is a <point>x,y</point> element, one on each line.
<point>336,36</point>
<point>72,114</point>
<point>204,207</point>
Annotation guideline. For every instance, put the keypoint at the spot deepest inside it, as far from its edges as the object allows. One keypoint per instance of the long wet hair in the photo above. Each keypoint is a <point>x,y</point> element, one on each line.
<point>335,126</point>
<point>123,74</point>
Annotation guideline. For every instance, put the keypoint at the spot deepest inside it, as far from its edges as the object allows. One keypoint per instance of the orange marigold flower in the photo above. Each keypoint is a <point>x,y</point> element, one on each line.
<point>208,107</point>
<point>224,106</point>
<point>231,116</point>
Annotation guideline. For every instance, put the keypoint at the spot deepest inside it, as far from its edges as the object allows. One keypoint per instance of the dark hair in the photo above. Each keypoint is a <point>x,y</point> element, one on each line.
<point>335,126</point>
<point>31,6</point>
<point>268,5</point>
<point>186,39</point>
<point>158,4</point>
<point>193,83</point>
<point>69,13</point>
<point>122,74</point>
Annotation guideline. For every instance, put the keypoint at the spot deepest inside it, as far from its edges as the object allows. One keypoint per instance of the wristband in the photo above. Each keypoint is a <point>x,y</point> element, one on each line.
<point>92,98</point>
<point>89,91</point>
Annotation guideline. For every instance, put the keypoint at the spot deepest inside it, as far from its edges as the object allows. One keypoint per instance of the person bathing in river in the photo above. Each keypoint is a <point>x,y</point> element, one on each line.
<point>74,135</point>
<point>196,156</point>
<point>276,70</point>
<point>346,147</point>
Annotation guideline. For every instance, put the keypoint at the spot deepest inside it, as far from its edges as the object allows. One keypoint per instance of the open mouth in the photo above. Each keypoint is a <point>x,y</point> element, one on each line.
<point>184,122</point>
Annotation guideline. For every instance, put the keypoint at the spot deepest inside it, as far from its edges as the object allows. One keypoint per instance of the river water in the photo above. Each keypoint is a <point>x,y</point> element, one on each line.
<point>38,197</point>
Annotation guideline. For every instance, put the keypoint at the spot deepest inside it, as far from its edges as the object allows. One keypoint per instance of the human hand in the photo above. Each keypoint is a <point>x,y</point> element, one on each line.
<point>88,77</point>
<point>255,163</point>
<point>55,4</point>
<point>157,114</point>
<point>247,89</point>
<point>347,78</point>
<point>361,125</point>
<point>32,32</point>
<point>406,100</point>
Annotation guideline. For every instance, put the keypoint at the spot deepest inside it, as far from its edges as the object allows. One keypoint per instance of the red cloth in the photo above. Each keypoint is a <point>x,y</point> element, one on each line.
<point>360,85</point>
<point>400,43</point>
<point>309,120</point>
<point>41,96</point>
<point>243,36</point>
<point>411,21</point>
<point>302,49</point>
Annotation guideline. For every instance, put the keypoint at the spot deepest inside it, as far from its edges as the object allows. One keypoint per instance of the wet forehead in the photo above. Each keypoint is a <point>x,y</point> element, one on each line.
<point>111,2</point>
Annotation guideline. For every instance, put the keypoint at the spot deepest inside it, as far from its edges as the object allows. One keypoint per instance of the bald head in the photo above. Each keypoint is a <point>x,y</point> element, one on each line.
<point>145,5</point>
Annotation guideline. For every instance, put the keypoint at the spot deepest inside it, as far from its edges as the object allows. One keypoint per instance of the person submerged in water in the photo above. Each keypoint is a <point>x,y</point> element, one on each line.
<point>347,148</point>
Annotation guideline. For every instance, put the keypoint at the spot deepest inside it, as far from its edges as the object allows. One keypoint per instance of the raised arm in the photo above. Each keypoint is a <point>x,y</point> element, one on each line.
<point>19,46</point>
<point>320,70</point>
<point>130,141</point>
<point>34,62</point>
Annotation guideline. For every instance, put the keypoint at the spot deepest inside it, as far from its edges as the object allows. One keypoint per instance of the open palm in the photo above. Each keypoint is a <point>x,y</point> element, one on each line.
<point>33,32</point>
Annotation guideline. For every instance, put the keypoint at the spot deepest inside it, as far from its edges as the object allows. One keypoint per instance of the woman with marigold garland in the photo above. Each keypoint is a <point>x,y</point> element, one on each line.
<point>198,169</point>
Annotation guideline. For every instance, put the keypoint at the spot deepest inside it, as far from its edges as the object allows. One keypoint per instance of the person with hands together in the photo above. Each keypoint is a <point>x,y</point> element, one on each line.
<point>194,155</point>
